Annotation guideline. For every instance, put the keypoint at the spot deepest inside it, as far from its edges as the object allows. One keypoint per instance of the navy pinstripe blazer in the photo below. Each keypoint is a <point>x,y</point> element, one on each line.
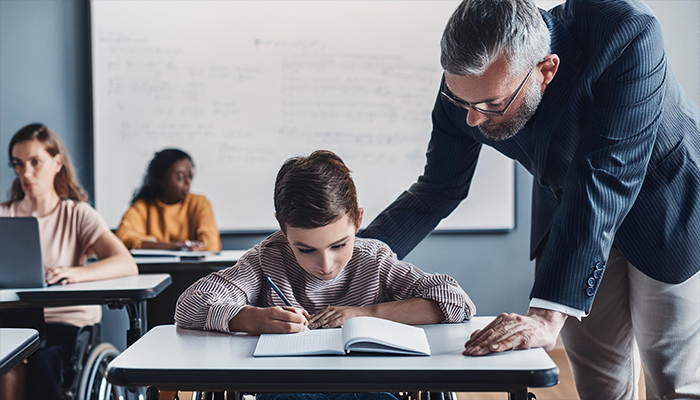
<point>614,148</point>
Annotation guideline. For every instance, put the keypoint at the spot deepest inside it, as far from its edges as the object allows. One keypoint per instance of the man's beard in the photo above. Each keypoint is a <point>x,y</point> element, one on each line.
<point>507,129</point>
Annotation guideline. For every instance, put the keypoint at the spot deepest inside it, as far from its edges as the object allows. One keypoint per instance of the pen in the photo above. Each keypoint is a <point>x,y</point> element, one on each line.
<point>279,292</point>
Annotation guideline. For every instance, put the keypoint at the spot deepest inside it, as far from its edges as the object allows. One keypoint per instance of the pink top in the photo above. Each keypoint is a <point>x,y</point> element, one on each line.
<point>67,236</point>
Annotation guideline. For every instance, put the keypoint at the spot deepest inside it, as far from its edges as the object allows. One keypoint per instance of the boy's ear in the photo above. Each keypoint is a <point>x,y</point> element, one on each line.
<point>359,219</point>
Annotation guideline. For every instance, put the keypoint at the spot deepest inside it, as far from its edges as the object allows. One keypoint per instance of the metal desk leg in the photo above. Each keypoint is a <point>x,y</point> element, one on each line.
<point>137,322</point>
<point>137,327</point>
<point>152,393</point>
<point>520,394</point>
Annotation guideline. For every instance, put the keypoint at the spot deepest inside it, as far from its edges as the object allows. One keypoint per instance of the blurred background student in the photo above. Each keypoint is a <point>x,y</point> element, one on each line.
<point>47,188</point>
<point>164,214</point>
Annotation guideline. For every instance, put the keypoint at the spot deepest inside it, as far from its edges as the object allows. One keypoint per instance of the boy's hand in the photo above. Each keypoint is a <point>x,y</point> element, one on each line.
<point>334,317</point>
<point>300,311</point>
<point>269,320</point>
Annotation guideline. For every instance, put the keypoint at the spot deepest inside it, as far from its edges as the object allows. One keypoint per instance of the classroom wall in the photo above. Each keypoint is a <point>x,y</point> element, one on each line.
<point>44,76</point>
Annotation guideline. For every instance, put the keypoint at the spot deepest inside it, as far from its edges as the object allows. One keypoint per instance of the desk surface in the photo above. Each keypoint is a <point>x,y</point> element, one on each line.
<point>15,346</point>
<point>210,262</point>
<point>172,358</point>
<point>134,288</point>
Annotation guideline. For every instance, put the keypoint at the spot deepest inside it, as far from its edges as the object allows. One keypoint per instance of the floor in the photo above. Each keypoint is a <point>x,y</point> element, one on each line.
<point>565,390</point>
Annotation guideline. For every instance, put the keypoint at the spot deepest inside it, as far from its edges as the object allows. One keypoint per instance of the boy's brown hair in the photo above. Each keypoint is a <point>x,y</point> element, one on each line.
<point>313,191</point>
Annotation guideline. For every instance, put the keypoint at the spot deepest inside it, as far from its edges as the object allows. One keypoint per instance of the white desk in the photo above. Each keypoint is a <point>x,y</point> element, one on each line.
<point>15,346</point>
<point>171,358</point>
<point>168,261</point>
<point>130,292</point>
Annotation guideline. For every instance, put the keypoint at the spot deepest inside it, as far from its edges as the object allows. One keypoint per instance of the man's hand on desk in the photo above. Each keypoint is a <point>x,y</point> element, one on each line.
<point>255,320</point>
<point>539,328</point>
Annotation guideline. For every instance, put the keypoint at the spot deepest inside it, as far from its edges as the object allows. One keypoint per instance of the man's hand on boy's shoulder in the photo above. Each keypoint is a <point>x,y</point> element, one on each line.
<point>255,320</point>
<point>335,317</point>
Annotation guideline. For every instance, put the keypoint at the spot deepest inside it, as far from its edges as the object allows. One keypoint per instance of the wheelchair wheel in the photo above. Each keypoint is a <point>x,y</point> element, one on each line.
<point>93,384</point>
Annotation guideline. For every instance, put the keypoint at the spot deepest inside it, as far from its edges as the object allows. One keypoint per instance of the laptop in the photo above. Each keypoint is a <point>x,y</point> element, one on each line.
<point>21,265</point>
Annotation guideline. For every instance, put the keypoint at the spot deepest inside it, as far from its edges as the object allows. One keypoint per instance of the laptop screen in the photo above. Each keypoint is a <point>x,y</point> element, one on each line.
<point>21,265</point>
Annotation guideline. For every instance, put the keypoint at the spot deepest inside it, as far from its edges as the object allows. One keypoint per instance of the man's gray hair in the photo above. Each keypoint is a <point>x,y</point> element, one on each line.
<point>480,31</point>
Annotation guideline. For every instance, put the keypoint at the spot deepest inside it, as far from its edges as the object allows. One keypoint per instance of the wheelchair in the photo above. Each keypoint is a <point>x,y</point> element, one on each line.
<point>84,373</point>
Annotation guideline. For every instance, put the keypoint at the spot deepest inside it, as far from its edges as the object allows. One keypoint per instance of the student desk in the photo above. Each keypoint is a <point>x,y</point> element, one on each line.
<point>15,346</point>
<point>184,272</point>
<point>130,292</point>
<point>169,358</point>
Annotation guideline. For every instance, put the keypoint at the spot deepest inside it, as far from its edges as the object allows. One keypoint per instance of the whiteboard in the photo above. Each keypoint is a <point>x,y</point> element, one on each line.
<point>244,85</point>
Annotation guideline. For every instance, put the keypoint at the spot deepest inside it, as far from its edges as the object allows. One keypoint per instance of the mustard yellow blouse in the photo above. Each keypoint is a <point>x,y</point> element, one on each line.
<point>191,219</point>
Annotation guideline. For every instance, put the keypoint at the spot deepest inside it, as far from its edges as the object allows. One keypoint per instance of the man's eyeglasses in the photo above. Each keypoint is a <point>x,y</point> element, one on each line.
<point>445,91</point>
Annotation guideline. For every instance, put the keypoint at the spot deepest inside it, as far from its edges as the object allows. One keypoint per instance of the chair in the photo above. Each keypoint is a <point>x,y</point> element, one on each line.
<point>85,372</point>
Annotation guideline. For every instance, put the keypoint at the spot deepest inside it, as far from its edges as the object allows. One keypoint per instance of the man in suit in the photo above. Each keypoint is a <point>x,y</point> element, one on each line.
<point>583,98</point>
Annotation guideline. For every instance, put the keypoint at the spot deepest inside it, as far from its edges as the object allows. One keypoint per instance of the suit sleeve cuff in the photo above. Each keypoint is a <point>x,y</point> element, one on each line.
<point>550,305</point>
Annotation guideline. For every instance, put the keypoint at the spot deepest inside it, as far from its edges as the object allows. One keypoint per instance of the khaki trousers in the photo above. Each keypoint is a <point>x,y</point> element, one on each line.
<point>633,317</point>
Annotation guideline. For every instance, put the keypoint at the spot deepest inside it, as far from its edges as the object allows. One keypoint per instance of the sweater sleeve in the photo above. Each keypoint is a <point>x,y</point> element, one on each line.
<point>401,281</point>
<point>205,226</point>
<point>211,302</point>
<point>132,228</point>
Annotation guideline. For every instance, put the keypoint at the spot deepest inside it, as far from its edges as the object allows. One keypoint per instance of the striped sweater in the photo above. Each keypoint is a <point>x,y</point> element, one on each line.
<point>373,275</point>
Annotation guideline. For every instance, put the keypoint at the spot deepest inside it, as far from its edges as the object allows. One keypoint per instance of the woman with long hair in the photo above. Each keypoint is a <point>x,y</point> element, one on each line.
<point>47,188</point>
<point>164,214</point>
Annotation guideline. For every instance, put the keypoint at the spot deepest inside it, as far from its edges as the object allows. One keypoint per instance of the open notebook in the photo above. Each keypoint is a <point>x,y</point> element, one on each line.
<point>361,334</point>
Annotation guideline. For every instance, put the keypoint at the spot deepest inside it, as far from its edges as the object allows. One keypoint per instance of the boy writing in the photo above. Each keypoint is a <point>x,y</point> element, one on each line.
<point>326,273</point>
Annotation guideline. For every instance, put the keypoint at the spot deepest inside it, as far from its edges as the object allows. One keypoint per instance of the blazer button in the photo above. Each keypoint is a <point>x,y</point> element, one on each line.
<point>591,282</point>
<point>590,291</point>
<point>598,273</point>
<point>599,265</point>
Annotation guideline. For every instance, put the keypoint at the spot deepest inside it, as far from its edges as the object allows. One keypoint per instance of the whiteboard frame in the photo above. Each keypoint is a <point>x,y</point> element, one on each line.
<point>94,140</point>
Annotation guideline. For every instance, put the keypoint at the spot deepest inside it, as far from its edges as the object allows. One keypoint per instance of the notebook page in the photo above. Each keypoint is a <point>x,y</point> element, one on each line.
<point>310,342</point>
<point>380,335</point>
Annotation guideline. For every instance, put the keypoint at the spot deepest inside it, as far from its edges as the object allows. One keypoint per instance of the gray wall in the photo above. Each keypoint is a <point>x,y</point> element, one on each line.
<point>44,77</point>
